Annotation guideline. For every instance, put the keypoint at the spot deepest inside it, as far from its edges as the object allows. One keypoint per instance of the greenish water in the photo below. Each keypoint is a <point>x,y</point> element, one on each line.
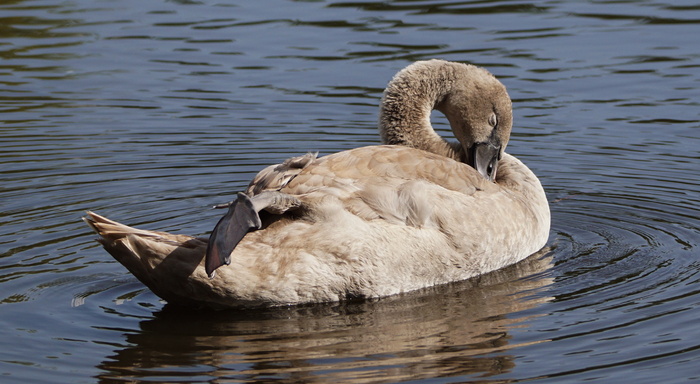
<point>151,112</point>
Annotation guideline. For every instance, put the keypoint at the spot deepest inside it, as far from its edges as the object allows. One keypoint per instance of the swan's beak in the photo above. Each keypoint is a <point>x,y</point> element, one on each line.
<point>484,158</point>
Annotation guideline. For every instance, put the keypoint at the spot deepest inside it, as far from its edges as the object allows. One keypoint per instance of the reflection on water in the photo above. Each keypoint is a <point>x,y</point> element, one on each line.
<point>154,111</point>
<point>461,329</point>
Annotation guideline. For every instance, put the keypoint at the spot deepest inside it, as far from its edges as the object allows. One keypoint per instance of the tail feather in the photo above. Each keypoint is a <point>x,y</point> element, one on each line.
<point>167,263</point>
<point>111,231</point>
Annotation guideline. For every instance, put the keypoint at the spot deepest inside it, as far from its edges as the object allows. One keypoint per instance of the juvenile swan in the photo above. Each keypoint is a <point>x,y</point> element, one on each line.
<point>367,222</point>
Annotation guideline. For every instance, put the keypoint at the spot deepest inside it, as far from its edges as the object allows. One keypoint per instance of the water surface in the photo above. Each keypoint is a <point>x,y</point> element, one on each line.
<point>151,112</point>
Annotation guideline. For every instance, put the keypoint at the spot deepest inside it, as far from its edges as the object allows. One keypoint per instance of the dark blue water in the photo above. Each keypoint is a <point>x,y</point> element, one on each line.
<point>151,112</point>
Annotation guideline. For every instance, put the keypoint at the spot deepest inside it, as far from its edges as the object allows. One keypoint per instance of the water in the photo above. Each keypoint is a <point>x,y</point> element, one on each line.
<point>150,112</point>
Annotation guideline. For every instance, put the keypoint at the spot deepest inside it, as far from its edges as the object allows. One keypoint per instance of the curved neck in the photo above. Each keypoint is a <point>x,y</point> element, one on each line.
<point>408,100</point>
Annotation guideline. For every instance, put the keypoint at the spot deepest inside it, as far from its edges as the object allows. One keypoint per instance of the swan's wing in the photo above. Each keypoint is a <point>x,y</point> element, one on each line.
<point>393,183</point>
<point>371,182</point>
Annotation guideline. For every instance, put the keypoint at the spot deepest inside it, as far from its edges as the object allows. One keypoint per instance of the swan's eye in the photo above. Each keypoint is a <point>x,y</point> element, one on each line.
<point>493,120</point>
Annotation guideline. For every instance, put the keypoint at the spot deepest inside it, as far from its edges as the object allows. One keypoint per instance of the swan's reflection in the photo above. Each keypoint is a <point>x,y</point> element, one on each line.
<point>458,329</point>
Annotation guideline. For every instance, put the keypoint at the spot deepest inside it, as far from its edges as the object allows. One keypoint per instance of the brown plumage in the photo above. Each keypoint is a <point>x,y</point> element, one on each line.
<point>368,222</point>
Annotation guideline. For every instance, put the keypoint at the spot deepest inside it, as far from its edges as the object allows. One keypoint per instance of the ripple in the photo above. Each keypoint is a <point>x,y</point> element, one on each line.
<point>623,259</point>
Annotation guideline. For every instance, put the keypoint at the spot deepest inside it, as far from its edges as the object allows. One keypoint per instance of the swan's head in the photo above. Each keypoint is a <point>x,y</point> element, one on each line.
<point>474,101</point>
<point>480,113</point>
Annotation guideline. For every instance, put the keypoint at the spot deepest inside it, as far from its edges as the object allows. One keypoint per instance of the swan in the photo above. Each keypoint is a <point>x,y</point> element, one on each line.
<point>369,222</point>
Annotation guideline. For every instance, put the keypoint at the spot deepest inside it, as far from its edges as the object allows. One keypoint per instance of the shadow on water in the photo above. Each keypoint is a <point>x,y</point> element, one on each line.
<point>461,329</point>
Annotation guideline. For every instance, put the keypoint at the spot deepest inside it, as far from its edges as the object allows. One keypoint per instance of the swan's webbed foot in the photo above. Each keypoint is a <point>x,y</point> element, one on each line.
<point>242,216</point>
<point>229,231</point>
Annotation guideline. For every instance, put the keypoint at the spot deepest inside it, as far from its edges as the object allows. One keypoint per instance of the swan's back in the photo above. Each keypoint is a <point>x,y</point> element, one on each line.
<point>385,219</point>
<point>387,164</point>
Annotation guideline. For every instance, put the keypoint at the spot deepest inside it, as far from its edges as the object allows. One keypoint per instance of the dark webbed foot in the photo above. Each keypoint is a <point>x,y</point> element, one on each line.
<point>242,216</point>
<point>229,231</point>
